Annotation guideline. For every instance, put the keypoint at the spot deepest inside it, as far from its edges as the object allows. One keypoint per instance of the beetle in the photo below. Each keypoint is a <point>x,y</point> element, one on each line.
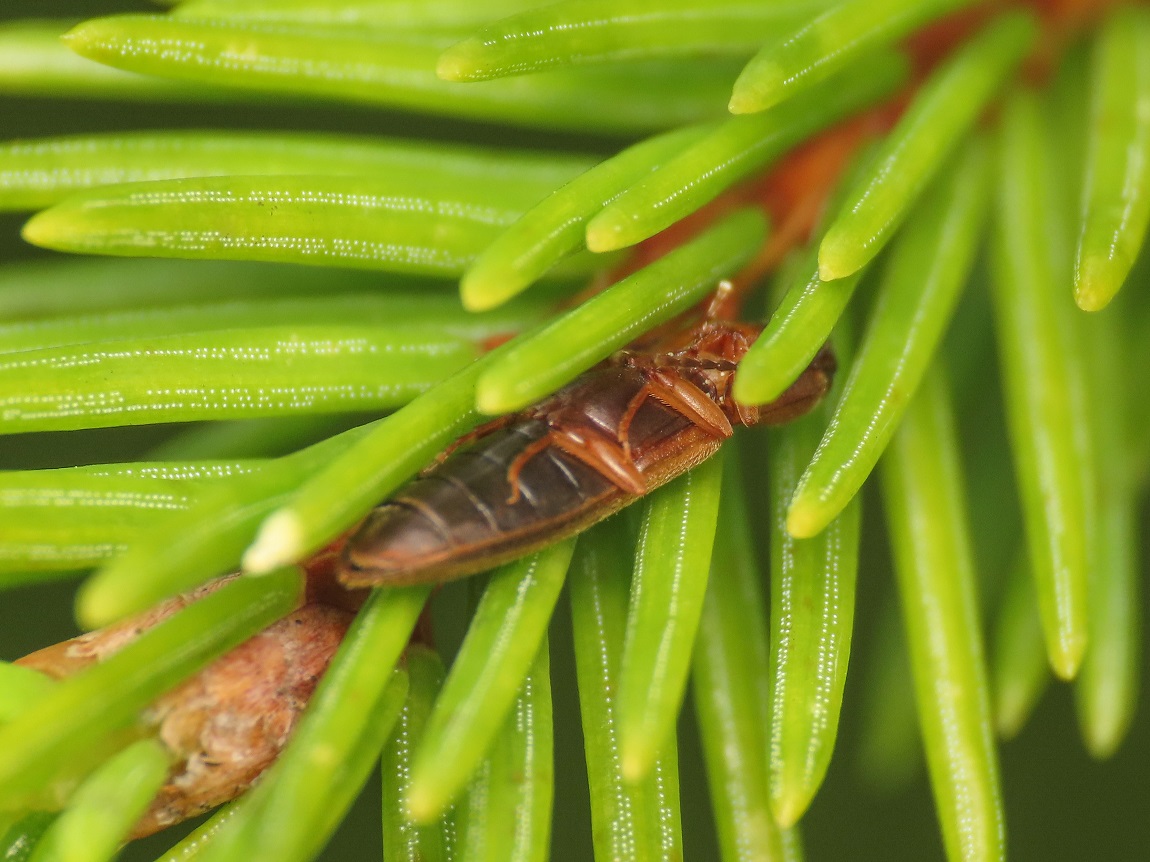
<point>532,478</point>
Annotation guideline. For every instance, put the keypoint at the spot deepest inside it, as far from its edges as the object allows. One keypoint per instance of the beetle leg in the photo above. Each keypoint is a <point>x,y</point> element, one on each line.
<point>690,401</point>
<point>596,450</point>
<point>533,449</point>
<point>604,455</point>
<point>623,430</point>
<point>470,437</point>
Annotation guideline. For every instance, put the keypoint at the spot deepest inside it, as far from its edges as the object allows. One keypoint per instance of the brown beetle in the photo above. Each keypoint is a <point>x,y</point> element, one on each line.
<point>532,478</point>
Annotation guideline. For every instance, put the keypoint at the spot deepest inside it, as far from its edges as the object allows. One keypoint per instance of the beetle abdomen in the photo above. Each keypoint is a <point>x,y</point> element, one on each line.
<point>457,519</point>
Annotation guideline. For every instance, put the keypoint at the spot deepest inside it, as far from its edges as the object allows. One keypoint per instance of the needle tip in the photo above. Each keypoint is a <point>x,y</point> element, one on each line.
<point>604,235</point>
<point>478,293</point>
<point>94,608</point>
<point>838,256</point>
<point>276,545</point>
<point>802,521</point>
<point>1066,656</point>
<point>789,808</point>
<point>453,64</point>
